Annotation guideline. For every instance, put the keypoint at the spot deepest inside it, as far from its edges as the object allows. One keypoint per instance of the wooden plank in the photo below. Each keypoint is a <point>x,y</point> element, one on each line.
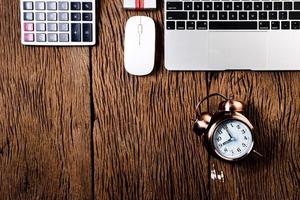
<point>44,117</point>
<point>143,140</point>
<point>273,105</point>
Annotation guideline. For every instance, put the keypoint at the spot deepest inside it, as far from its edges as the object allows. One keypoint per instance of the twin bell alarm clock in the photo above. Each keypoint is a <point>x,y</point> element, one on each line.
<point>227,134</point>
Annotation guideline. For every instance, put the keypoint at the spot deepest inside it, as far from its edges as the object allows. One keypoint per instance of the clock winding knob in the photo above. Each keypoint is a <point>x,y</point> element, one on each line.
<point>231,106</point>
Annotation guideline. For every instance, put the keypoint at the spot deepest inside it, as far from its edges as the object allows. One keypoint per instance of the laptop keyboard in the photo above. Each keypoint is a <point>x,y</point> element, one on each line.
<point>232,15</point>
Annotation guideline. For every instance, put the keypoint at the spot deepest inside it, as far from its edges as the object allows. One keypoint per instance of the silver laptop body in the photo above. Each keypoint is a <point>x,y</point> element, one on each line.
<point>248,35</point>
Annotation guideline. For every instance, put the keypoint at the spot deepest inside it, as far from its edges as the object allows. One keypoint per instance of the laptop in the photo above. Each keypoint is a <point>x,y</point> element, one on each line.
<point>232,35</point>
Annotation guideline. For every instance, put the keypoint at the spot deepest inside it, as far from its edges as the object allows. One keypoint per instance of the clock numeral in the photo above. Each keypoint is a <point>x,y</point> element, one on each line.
<point>220,145</point>
<point>219,139</point>
<point>243,131</point>
<point>232,151</point>
<point>220,132</point>
<point>226,150</point>
<point>231,125</point>
<point>245,138</point>
<point>239,150</point>
<point>244,145</point>
<point>238,127</point>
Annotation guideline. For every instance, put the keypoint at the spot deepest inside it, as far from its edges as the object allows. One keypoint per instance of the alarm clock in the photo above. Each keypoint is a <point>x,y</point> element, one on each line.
<point>227,134</point>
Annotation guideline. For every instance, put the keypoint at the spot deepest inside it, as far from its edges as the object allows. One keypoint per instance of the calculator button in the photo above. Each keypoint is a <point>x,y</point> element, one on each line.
<point>63,27</point>
<point>28,37</point>
<point>39,5</point>
<point>51,16</point>
<point>52,27</point>
<point>52,37</point>
<point>28,27</point>
<point>64,37</point>
<point>63,16</point>
<point>75,6</point>
<point>51,5</point>
<point>63,6</point>
<point>28,16</point>
<point>28,5</point>
<point>76,32</point>
<point>87,32</point>
<point>75,16</point>
<point>41,37</point>
<point>87,6</point>
<point>40,16</point>
<point>87,17</point>
<point>40,27</point>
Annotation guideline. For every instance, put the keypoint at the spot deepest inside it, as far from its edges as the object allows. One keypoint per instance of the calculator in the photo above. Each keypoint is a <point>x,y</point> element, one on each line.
<point>58,23</point>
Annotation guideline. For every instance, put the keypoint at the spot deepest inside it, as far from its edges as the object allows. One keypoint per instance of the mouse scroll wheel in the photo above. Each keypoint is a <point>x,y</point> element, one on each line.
<point>140,29</point>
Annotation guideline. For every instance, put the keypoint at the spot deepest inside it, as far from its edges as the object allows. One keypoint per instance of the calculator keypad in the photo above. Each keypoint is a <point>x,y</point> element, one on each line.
<point>58,23</point>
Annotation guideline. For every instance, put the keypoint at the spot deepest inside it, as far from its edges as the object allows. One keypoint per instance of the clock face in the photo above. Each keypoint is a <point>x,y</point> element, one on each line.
<point>232,139</point>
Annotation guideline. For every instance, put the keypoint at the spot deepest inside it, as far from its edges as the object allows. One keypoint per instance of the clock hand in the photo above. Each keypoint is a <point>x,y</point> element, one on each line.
<point>228,141</point>
<point>227,130</point>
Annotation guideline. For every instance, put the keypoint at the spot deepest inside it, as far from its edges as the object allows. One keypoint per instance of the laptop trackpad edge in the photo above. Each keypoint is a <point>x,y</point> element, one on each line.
<point>237,50</point>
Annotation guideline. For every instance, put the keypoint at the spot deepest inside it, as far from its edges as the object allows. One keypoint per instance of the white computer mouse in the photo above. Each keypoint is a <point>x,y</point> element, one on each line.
<point>139,45</point>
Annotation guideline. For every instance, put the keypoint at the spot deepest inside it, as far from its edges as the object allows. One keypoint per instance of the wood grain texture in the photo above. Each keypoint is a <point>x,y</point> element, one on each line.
<point>75,125</point>
<point>45,117</point>
<point>144,146</point>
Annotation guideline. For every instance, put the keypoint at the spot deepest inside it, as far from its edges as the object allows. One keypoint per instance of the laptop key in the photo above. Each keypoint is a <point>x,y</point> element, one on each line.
<point>227,5</point>
<point>201,25</point>
<point>190,25</point>
<point>297,5</point>
<point>203,15</point>
<point>177,15</point>
<point>226,25</point>
<point>218,6</point>
<point>253,15</point>
<point>273,15</point>
<point>263,15</point>
<point>295,25</point>
<point>268,6</point>
<point>257,5</point>
<point>264,25</point>
<point>277,5</point>
<point>174,6</point>
<point>198,6</point>
<point>208,5</point>
<point>288,5</point>
<point>193,15</point>
<point>223,16</point>
<point>275,25</point>
<point>248,6</point>
<point>285,25</point>
<point>292,15</point>
<point>180,25</point>
<point>170,25</point>
<point>213,15</point>
<point>243,16</point>
<point>188,5</point>
<point>238,5</point>
<point>232,15</point>
<point>283,15</point>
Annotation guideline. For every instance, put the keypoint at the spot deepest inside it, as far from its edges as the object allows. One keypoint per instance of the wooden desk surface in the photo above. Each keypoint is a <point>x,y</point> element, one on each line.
<point>75,125</point>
